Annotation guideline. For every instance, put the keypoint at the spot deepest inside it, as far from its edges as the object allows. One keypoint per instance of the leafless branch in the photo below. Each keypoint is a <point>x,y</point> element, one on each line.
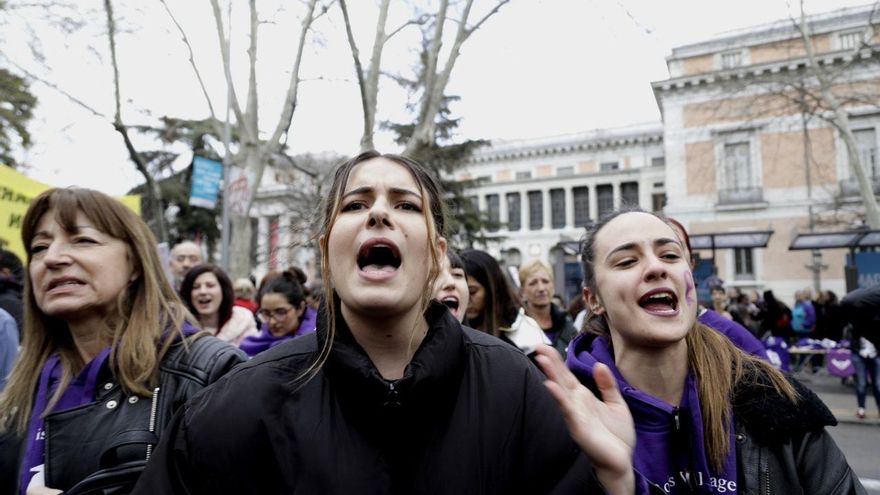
<point>192,63</point>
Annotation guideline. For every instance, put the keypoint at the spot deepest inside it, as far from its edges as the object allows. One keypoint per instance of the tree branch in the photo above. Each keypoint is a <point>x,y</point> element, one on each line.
<point>227,69</point>
<point>290,99</point>
<point>192,63</point>
<point>54,86</point>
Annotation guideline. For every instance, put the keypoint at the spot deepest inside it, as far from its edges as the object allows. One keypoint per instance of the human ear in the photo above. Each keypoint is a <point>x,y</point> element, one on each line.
<point>593,302</point>
<point>441,248</point>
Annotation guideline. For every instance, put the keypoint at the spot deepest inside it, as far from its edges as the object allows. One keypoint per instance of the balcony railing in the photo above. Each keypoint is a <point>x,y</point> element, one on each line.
<point>740,196</point>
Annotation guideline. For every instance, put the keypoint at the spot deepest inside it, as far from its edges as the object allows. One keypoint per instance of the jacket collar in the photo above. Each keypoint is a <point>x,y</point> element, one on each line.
<point>435,368</point>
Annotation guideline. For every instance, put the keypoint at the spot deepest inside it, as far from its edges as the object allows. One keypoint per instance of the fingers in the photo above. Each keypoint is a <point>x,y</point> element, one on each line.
<point>607,384</point>
<point>552,366</point>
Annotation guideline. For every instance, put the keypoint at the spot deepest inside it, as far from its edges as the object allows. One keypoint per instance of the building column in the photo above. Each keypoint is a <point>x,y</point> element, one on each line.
<point>594,203</point>
<point>545,201</point>
<point>262,244</point>
<point>615,193</point>
<point>502,210</point>
<point>569,207</point>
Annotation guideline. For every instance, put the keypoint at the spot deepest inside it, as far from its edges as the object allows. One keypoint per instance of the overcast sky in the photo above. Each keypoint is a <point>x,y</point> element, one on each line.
<point>538,68</point>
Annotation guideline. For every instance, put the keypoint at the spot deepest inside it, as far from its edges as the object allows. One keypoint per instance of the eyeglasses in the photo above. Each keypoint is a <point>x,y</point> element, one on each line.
<point>266,314</point>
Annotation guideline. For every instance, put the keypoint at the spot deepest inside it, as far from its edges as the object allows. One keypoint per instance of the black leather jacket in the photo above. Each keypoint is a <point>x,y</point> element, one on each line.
<point>784,449</point>
<point>102,447</point>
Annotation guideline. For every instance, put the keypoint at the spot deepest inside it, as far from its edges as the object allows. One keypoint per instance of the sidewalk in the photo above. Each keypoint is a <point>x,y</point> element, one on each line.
<point>840,398</point>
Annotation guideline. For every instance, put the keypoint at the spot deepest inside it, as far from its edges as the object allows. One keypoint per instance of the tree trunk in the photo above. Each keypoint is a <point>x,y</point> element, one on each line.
<point>866,186</point>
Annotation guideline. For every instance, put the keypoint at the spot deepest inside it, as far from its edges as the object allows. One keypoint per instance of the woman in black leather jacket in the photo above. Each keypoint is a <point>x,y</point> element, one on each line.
<point>108,351</point>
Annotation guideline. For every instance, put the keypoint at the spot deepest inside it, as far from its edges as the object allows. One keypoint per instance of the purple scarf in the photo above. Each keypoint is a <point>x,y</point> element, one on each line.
<point>258,343</point>
<point>81,390</point>
<point>669,439</point>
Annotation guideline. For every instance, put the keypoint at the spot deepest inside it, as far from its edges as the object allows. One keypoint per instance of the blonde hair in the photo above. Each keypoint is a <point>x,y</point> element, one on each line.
<point>148,317</point>
<point>531,268</point>
<point>433,210</point>
<point>719,366</point>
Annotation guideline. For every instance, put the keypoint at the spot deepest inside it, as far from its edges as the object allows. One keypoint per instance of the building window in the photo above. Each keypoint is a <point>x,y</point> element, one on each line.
<point>493,212</point>
<point>658,161</point>
<point>514,217</point>
<point>565,171</point>
<point>557,208</point>
<point>850,40</point>
<point>524,175</point>
<point>581,206</point>
<point>738,181</point>
<point>658,202</point>
<point>744,264</point>
<point>730,60</point>
<point>608,166</point>
<point>866,143</point>
<point>604,200</point>
<point>629,194</point>
<point>536,210</point>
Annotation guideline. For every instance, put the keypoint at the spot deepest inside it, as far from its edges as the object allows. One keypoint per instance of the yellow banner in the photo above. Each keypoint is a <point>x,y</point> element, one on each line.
<point>16,193</point>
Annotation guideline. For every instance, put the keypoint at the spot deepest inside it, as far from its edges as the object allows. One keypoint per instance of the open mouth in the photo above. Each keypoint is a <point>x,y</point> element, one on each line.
<point>450,302</point>
<point>661,301</point>
<point>378,255</point>
<point>60,282</point>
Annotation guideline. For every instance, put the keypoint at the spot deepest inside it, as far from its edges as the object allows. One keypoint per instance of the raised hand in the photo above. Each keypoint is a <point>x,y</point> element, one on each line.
<point>604,430</point>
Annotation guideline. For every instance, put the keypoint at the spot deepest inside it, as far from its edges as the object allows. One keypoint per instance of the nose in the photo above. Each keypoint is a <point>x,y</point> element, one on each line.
<point>446,281</point>
<point>656,268</point>
<point>379,214</point>
<point>55,255</point>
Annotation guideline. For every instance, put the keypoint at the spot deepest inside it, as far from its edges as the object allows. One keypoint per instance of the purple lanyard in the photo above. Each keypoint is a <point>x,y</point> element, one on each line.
<point>72,397</point>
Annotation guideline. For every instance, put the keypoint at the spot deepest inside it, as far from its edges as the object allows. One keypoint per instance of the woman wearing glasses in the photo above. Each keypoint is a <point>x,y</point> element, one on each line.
<point>208,294</point>
<point>284,313</point>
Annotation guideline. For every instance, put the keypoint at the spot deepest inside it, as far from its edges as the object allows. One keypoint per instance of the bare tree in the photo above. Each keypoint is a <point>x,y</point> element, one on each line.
<point>253,152</point>
<point>433,74</point>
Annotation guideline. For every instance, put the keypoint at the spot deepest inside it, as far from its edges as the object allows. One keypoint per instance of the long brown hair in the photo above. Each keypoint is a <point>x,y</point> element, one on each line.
<point>434,212</point>
<point>148,310</point>
<point>719,366</point>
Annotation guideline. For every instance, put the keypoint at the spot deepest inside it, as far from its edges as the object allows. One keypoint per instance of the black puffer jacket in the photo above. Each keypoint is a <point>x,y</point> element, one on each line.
<point>102,447</point>
<point>470,415</point>
<point>784,449</point>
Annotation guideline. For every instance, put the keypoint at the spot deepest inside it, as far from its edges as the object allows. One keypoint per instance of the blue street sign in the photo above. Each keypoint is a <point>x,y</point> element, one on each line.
<point>206,178</point>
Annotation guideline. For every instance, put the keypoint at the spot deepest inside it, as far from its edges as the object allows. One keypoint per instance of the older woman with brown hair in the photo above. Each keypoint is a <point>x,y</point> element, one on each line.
<point>108,350</point>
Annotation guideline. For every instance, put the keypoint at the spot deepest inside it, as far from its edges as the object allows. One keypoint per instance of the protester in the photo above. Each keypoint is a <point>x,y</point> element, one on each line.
<point>208,294</point>
<point>736,333</point>
<point>494,308</point>
<point>803,316</point>
<point>244,294</point>
<point>775,317</point>
<point>861,308</point>
<point>184,255</point>
<point>536,286</point>
<point>829,320</point>
<point>108,351</point>
<point>719,302</point>
<point>8,345</point>
<point>451,287</point>
<point>391,394</point>
<point>284,314</point>
<point>11,283</point>
<point>709,418</point>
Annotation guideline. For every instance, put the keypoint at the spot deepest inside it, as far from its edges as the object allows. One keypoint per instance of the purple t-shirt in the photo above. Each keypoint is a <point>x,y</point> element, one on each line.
<point>736,333</point>
<point>81,390</point>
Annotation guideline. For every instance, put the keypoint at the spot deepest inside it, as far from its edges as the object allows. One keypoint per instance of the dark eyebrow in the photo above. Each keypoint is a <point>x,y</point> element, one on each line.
<point>399,191</point>
<point>662,241</point>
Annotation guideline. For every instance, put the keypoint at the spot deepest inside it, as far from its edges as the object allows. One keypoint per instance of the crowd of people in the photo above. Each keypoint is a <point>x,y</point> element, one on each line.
<point>407,367</point>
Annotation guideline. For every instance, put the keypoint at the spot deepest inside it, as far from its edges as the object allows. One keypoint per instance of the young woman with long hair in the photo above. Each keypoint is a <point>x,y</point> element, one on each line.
<point>494,307</point>
<point>210,297</point>
<point>391,394</point>
<point>709,418</point>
